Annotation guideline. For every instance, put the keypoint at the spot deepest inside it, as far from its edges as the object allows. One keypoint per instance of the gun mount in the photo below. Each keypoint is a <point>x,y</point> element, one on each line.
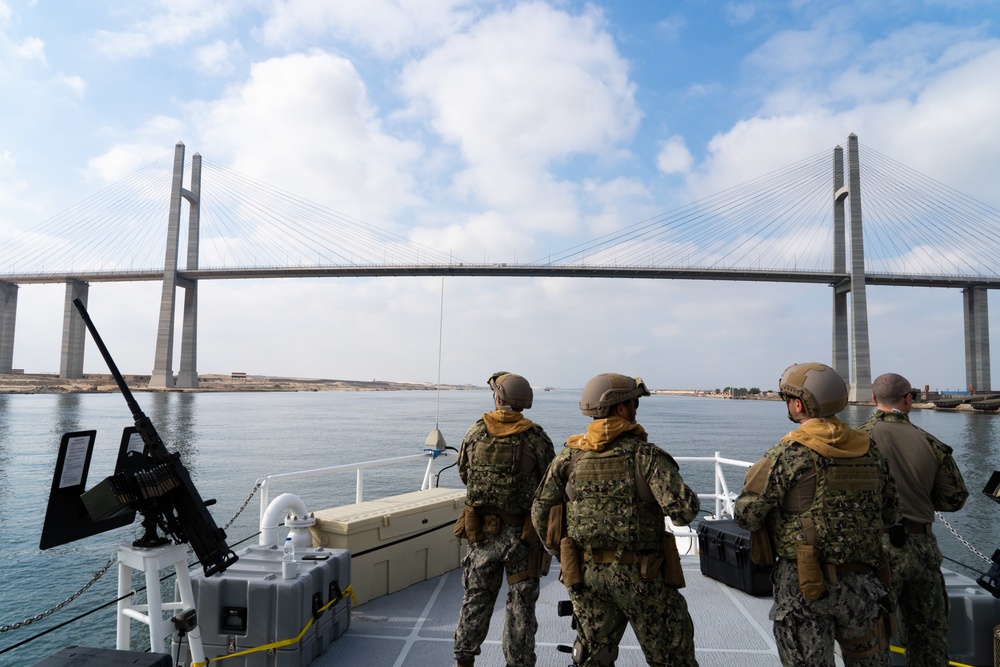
<point>148,479</point>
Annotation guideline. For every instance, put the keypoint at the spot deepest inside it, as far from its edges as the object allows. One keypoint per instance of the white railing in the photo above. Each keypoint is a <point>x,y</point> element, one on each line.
<point>358,468</point>
<point>722,497</point>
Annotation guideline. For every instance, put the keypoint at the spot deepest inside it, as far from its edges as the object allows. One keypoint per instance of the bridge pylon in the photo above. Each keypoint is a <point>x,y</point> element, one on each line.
<point>162,376</point>
<point>853,349</point>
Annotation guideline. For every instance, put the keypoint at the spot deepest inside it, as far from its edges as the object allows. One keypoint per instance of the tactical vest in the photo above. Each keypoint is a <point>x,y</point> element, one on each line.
<point>609,504</point>
<point>502,473</point>
<point>833,510</point>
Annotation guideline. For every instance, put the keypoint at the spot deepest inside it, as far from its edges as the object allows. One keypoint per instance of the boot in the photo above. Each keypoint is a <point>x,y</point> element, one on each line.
<point>464,663</point>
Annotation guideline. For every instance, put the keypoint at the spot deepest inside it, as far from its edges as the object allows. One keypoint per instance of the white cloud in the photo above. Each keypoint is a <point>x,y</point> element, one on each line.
<point>74,83</point>
<point>217,58</point>
<point>304,123</point>
<point>388,28</point>
<point>519,93</point>
<point>31,48</point>
<point>933,113</point>
<point>674,157</point>
<point>170,23</point>
<point>150,142</point>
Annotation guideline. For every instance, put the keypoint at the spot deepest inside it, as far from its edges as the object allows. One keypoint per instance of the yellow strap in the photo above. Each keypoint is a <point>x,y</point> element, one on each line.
<point>902,651</point>
<point>285,642</point>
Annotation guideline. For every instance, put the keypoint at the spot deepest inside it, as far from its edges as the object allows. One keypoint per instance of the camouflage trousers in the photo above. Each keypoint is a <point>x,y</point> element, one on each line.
<point>921,600</point>
<point>485,564</point>
<point>614,596</point>
<point>805,630</point>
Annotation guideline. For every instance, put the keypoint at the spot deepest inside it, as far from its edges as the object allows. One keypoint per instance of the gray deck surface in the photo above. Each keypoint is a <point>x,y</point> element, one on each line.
<point>415,627</point>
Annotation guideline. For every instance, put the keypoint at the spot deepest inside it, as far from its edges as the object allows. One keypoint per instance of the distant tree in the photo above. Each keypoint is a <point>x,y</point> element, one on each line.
<point>755,391</point>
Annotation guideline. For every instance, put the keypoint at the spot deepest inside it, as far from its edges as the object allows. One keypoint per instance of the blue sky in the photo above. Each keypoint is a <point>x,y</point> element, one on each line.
<point>496,131</point>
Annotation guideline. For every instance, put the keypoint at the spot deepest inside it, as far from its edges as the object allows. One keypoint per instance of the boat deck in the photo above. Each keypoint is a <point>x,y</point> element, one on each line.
<point>415,627</point>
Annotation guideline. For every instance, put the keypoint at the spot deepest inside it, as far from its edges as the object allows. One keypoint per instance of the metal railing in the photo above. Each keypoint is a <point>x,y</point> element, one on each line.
<point>358,468</point>
<point>722,497</point>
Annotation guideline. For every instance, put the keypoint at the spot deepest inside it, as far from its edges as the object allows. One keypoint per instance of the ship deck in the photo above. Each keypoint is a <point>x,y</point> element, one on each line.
<point>415,627</point>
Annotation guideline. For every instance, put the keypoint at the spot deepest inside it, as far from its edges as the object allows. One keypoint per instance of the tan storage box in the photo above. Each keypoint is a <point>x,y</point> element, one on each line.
<point>395,541</point>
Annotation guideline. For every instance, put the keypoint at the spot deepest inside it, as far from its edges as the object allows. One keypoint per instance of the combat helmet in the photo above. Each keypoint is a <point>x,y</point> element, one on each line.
<point>512,390</point>
<point>606,390</point>
<point>820,388</point>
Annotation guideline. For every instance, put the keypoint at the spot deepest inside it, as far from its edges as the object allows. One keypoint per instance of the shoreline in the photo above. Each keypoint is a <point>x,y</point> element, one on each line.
<point>98,383</point>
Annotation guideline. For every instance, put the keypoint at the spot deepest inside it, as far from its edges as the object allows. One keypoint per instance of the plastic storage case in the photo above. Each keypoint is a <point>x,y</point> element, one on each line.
<point>82,656</point>
<point>724,553</point>
<point>250,605</point>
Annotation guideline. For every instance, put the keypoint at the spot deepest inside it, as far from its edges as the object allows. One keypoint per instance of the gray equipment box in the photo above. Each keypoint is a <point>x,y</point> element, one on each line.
<point>250,605</point>
<point>971,622</point>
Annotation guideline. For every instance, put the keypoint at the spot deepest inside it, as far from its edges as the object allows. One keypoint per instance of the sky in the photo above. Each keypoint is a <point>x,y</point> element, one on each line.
<point>500,131</point>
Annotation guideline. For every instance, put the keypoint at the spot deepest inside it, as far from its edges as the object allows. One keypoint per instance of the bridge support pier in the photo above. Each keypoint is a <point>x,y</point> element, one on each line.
<point>977,339</point>
<point>74,331</point>
<point>8,315</point>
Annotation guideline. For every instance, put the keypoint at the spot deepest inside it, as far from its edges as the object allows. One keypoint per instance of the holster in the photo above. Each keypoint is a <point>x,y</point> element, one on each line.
<point>897,534</point>
<point>673,573</point>
<point>569,558</point>
<point>811,583</point>
<point>761,552</point>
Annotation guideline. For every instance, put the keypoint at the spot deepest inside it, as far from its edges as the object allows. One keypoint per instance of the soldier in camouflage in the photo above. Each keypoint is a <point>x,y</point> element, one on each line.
<point>501,461</point>
<point>819,502</point>
<point>928,480</point>
<point>612,489</point>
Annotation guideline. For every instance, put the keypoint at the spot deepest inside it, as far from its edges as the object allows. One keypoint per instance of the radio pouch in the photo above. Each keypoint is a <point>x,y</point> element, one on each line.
<point>811,583</point>
<point>569,560</point>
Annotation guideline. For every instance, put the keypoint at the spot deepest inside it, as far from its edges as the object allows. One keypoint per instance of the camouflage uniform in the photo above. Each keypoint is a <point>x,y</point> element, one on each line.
<point>838,501</point>
<point>928,479</point>
<point>502,547</point>
<point>613,524</point>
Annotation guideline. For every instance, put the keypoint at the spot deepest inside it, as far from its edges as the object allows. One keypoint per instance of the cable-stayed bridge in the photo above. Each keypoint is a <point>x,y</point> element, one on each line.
<point>802,223</point>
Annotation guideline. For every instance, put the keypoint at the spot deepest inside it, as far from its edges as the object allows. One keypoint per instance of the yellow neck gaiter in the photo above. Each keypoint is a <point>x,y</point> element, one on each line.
<point>830,437</point>
<point>503,423</point>
<point>601,432</point>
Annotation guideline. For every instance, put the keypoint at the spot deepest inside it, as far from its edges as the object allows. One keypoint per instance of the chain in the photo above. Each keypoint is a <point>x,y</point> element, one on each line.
<point>100,573</point>
<point>93,579</point>
<point>245,503</point>
<point>962,539</point>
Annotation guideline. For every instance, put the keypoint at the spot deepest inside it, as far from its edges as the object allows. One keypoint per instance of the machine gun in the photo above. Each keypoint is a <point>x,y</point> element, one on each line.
<point>991,580</point>
<point>150,480</point>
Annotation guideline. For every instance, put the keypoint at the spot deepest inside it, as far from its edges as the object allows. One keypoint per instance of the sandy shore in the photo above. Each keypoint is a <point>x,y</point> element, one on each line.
<point>18,383</point>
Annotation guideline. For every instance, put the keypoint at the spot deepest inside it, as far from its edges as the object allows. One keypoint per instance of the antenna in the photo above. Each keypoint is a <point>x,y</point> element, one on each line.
<point>435,440</point>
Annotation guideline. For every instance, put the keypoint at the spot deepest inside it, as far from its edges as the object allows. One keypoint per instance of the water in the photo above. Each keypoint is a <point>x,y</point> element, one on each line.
<point>228,441</point>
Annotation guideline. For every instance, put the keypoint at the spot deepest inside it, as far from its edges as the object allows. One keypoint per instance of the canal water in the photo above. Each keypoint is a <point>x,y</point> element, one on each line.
<point>229,440</point>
